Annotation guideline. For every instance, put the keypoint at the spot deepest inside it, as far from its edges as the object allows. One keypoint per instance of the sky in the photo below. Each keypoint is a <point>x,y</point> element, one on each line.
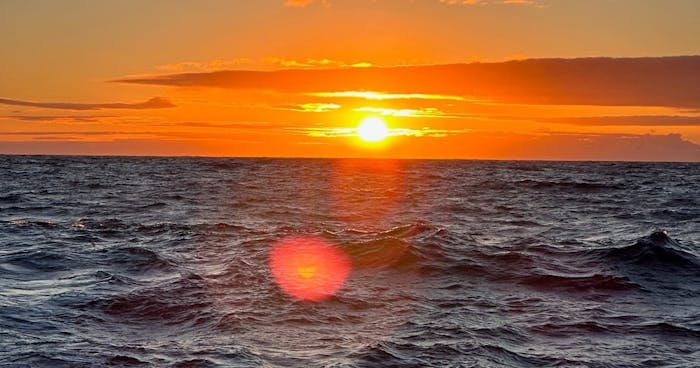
<point>471,79</point>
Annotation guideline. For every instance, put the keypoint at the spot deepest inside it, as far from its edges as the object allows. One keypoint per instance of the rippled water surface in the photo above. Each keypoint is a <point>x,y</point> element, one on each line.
<point>165,262</point>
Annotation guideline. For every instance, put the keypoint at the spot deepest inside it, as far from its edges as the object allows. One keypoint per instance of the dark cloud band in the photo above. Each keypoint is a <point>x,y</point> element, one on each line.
<point>153,103</point>
<point>665,81</point>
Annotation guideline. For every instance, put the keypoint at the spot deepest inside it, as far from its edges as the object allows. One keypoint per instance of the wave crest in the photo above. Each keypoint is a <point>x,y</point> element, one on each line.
<point>657,249</point>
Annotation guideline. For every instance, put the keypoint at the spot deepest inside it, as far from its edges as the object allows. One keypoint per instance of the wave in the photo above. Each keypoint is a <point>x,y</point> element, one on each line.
<point>532,264</point>
<point>563,329</point>
<point>105,225</point>
<point>654,250</point>
<point>41,360</point>
<point>568,185</point>
<point>32,224</point>
<point>125,361</point>
<point>154,205</point>
<point>114,358</point>
<point>498,355</point>
<point>676,215</point>
<point>184,300</point>
<point>118,226</point>
<point>137,259</point>
<point>551,185</point>
<point>665,329</point>
<point>11,198</point>
<point>412,230</point>
<point>392,248</point>
<point>224,165</point>
<point>589,326</point>
<point>224,227</point>
<point>580,283</point>
<point>382,252</point>
<point>28,262</point>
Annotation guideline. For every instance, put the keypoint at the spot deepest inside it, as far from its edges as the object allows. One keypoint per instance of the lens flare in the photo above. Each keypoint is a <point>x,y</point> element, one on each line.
<point>308,268</point>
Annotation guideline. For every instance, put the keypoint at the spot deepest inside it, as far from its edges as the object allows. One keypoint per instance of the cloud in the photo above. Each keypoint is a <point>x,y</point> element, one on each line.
<point>426,112</point>
<point>552,146</point>
<point>270,62</point>
<point>318,107</point>
<point>307,107</point>
<point>651,120</point>
<point>393,132</point>
<point>62,146</point>
<point>305,3</point>
<point>153,103</point>
<point>370,95</point>
<point>477,144</point>
<point>298,3</point>
<point>491,2</point>
<point>615,147</point>
<point>313,63</point>
<point>212,65</point>
<point>75,133</point>
<point>663,81</point>
<point>63,118</point>
<point>254,127</point>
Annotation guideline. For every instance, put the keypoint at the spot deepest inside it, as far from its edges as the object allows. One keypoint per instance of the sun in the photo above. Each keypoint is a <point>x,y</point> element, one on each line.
<point>372,129</point>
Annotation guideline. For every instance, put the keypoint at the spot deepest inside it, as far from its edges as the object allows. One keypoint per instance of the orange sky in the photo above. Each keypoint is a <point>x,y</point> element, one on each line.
<point>588,80</point>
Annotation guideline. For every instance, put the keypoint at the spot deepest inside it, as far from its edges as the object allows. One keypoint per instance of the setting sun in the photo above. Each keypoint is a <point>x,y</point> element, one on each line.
<point>372,129</point>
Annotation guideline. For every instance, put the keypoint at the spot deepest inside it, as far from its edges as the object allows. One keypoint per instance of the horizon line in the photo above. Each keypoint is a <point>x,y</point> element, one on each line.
<point>337,158</point>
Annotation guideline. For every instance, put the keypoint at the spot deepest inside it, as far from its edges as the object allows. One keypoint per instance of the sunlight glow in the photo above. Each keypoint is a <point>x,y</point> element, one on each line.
<point>372,95</point>
<point>372,129</point>
<point>393,132</point>
<point>318,107</point>
<point>411,113</point>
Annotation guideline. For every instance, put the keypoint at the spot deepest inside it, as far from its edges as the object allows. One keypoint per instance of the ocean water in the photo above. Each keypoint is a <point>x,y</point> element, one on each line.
<point>115,261</point>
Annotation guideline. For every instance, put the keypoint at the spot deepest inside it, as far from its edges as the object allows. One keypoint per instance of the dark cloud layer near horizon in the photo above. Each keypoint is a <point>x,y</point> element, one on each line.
<point>508,146</point>
<point>53,118</point>
<point>638,120</point>
<point>153,103</point>
<point>648,81</point>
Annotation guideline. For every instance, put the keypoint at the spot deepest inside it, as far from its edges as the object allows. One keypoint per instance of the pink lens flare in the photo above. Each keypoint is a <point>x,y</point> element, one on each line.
<point>308,267</point>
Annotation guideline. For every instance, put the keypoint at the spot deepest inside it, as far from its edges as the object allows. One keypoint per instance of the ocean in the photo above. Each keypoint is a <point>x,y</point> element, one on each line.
<point>170,262</point>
